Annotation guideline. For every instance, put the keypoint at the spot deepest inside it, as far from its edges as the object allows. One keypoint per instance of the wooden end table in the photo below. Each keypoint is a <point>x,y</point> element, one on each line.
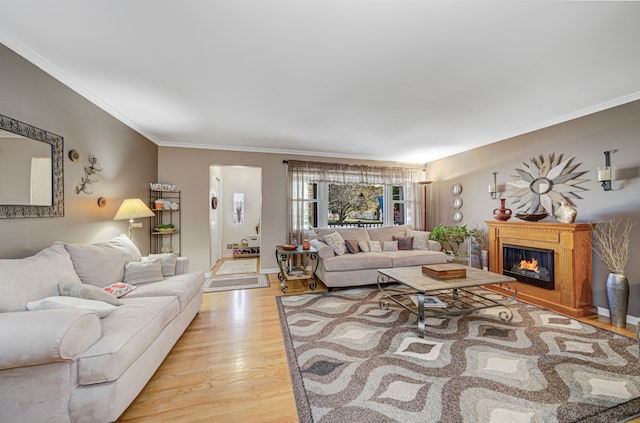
<point>289,271</point>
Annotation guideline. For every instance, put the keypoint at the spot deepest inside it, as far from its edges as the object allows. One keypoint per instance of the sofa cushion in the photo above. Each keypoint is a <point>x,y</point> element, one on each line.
<point>103,263</point>
<point>359,234</point>
<point>185,287</point>
<point>364,246</point>
<point>33,278</point>
<point>101,308</point>
<point>386,233</point>
<point>143,271</point>
<point>357,262</point>
<point>324,251</point>
<point>352,246</point>
<point>89,292</point>
<point>404,243</point>
<point>375,247</point>
<point>421,241</point>
<point>126,333</point>
<point>404,258</point>
<point>335,241</point>
<point>390,246</point>
<point>169,261</point>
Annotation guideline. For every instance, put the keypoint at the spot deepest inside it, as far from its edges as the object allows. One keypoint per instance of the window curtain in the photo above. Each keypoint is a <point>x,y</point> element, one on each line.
<point>300,174</point>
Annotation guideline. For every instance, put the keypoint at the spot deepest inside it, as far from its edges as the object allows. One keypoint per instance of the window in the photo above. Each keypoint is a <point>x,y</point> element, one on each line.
<point>329,194</point>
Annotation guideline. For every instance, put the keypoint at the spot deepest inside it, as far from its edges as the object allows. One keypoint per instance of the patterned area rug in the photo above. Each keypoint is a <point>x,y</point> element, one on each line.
<point>352,361</point>
<point>236,266</point>
<point>235,282</point>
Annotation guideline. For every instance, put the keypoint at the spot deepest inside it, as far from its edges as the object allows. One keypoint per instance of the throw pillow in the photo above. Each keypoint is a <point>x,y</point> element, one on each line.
<point>420,239</point>
<point>404,243</point>
<point>103,263</point>
<point>374,246</point>
<point>99,307</point>
<point>390,246</point>
<point>169,261</point>
<point>364,246</point>
<point>336,242</point>
<point>118,289</point>
<point>352,246</point>
<point>143,271</point>
<point>88,292</point>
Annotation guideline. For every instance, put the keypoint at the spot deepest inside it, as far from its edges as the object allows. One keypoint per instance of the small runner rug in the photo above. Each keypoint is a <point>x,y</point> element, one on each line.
<point>235,282</point>
<point>351,361</point>
<point>234,267</point>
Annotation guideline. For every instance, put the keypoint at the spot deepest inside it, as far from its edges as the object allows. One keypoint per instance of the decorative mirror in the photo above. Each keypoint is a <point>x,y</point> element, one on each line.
<point>543,183</point>
<point>31,171</point>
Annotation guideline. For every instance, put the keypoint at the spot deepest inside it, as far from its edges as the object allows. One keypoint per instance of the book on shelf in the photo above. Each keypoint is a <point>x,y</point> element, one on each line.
<point>429,301</point>
<point>296,272</point>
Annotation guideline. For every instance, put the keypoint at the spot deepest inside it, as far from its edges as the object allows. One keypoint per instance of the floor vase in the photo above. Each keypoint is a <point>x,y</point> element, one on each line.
<point>618,298</point>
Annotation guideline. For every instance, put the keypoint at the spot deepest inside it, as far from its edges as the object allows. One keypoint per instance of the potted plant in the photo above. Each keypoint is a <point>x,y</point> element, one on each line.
<point>451,239</point>
<point>611,243</point>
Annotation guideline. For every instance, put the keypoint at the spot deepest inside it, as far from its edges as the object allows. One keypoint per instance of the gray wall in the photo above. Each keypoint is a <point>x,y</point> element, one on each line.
<point>585,139</point>
<point>129,161</point>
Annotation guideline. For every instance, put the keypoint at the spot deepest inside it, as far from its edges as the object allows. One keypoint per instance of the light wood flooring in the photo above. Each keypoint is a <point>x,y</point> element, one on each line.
<point>230,364</point>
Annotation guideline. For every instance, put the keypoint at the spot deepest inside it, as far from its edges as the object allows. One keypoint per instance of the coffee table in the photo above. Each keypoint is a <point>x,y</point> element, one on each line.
<point>455,294</point>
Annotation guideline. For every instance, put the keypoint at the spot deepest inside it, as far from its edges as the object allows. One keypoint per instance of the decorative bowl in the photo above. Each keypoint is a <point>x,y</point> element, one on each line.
<point>531,217</point>
<point>289,247</point>
<point>165,230</point>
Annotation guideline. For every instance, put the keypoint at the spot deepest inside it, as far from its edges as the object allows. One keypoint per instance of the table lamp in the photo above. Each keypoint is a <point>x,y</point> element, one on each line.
<point>133,208</point>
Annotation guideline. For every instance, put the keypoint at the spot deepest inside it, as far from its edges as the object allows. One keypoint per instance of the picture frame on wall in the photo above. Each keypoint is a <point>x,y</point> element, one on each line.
<point>238,208</point>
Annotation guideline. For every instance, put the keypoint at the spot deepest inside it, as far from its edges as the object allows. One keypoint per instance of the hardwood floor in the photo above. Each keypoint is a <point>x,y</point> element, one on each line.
<point>230,364</point>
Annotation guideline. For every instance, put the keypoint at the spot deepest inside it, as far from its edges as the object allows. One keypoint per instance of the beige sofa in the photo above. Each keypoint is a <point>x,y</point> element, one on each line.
<point>59,360</point>
<point>361,268</point>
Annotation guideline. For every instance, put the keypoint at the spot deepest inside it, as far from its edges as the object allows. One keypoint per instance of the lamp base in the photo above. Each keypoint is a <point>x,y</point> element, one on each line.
<point>132,225</point>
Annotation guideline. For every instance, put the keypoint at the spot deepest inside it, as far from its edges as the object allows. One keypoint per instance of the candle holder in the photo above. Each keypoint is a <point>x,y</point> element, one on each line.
<point>604,173</point>
<point>493,188</point>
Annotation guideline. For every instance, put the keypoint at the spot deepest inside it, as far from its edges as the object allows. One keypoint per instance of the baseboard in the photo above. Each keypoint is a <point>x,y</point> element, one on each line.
<point>605,312</point>
<point>267,271</point>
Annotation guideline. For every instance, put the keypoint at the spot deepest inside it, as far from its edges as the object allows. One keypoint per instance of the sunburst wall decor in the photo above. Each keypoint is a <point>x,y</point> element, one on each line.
<point>543,183</point>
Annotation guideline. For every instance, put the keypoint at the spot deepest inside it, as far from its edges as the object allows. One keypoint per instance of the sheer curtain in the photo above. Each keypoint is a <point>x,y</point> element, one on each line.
<point>300,174</point>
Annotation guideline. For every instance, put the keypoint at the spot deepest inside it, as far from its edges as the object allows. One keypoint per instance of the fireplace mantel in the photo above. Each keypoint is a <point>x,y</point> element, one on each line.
<point>571,244</point>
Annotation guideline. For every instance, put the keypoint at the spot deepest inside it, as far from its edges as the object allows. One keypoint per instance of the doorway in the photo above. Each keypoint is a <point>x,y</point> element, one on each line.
<point>234,222</point>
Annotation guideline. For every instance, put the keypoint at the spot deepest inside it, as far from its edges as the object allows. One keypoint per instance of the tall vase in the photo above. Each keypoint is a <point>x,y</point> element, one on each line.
<point>502,213</point>
<point>618,298</point>
<point>484,259</point>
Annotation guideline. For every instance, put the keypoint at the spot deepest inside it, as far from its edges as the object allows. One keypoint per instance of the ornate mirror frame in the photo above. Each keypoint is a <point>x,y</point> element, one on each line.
<point>57,144</point>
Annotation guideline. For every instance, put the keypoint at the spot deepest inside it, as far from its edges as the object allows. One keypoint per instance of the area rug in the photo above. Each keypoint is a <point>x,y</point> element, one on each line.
<point>234,267</point>
<point>351,361</point>
<point>235,282</point>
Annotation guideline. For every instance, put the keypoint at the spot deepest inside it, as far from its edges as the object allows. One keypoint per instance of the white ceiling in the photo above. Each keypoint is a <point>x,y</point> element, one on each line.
<point>409,81</point>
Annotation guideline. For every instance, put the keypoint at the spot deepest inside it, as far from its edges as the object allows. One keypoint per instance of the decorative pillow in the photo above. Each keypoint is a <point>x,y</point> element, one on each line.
<point>88,292</point>
<point>118,289</point>
<point>390,246</point>
<point>169,261</point>
<point>404,243</point>
<point>364,246</point>
<point>33,278</point>
<point>143,271</point>
<point>352,246</point>
<point>336,242</point>
<point>99,307</point>
<point>374,246</point>
<point>103,263</point>
<point>420,239</point>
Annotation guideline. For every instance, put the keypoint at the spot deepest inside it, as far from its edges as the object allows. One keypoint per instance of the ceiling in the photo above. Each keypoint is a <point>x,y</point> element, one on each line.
<point>409,81</point>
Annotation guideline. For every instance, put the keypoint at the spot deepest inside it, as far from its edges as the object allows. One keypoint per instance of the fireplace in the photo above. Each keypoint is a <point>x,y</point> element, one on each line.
<point>533,266</point>
<point>563,249</point>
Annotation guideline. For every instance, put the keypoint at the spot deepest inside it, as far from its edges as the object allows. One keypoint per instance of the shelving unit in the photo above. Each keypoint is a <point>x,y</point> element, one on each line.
<point>241,251</point>
<point>165,242</point>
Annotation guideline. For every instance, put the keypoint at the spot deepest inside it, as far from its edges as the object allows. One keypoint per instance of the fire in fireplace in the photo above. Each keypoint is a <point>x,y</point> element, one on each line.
<point>533,266</point>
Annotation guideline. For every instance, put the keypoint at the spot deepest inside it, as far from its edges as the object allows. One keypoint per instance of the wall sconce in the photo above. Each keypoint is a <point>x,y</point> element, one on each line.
<point>604,173</point>
<point>133,208</point>
<point>493,188</point>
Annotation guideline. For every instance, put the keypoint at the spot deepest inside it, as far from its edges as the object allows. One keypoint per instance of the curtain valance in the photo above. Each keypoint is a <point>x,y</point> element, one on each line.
<point>338,173</point>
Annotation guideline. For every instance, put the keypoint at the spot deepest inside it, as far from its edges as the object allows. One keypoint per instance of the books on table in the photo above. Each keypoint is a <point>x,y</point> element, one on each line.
<point>429,301</point>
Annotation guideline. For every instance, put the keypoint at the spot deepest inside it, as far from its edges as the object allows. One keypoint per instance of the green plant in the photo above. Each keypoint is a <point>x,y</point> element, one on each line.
<point>451,238</point>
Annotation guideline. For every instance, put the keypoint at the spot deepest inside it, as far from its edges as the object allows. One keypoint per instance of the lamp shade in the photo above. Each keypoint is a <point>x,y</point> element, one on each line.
<point>133,208</point>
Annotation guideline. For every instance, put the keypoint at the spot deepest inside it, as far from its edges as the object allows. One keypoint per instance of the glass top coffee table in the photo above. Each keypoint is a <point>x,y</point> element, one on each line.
<point>427,296</point>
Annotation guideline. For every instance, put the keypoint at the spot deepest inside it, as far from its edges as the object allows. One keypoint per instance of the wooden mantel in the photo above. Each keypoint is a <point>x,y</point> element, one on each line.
<point>571,244</point>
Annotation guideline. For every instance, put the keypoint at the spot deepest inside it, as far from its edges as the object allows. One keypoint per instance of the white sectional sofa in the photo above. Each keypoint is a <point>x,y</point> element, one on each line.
<point>60,361</point>
<point>361,268</point>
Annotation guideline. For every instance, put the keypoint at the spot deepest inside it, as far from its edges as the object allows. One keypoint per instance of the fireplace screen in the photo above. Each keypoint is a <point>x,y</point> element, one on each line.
<point>533,266</point>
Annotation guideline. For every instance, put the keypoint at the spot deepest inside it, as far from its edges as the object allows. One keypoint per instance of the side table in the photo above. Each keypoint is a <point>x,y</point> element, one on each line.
<point>289,271</point>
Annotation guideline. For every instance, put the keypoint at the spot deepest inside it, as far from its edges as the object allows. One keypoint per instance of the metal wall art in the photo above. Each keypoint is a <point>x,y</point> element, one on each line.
<point>544,183</point>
